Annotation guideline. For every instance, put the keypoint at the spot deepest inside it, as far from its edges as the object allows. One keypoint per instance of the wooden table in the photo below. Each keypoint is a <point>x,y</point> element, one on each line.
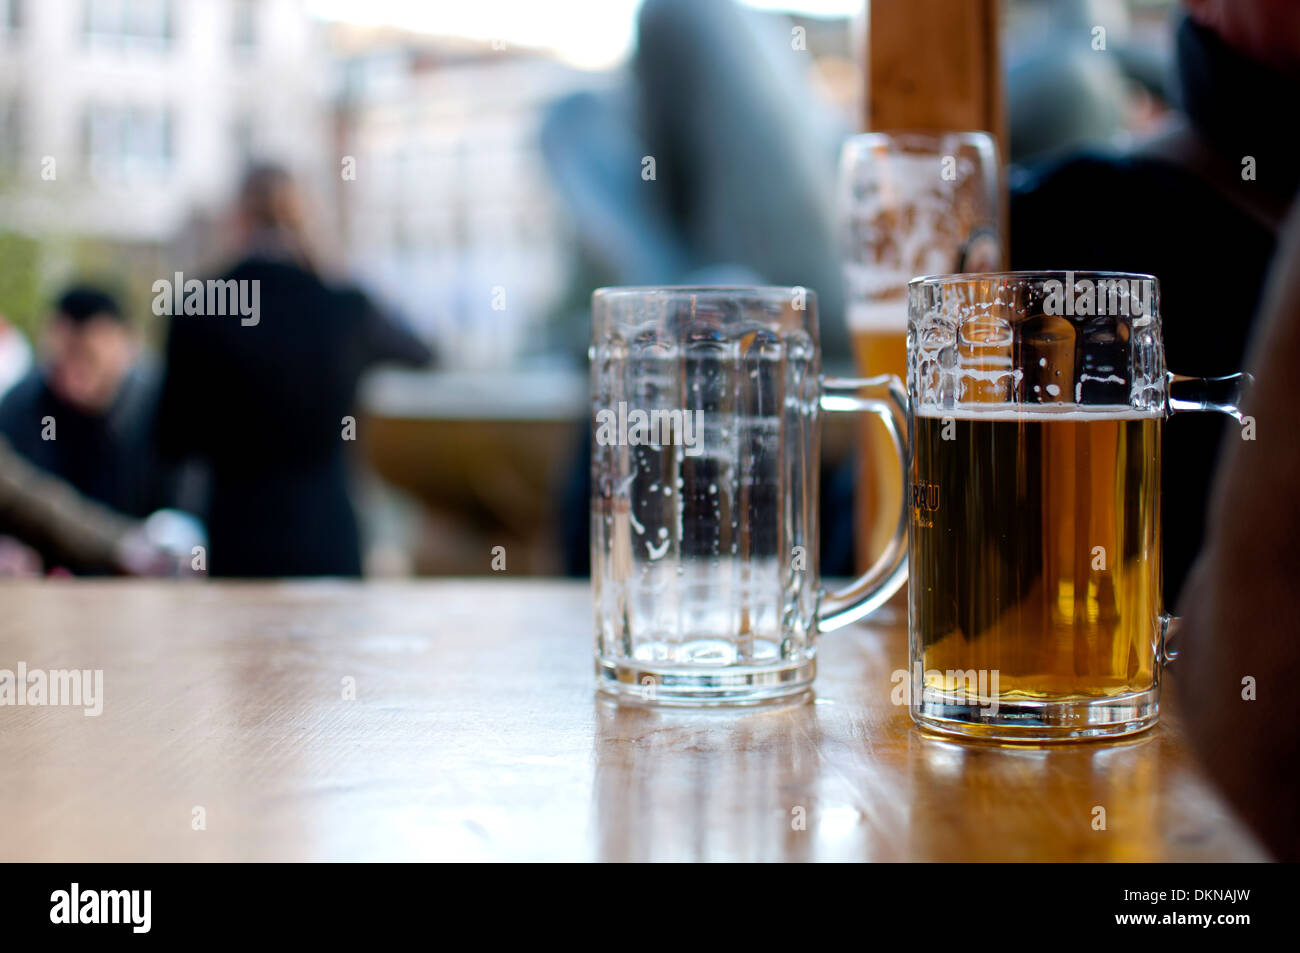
<point>476,734</point>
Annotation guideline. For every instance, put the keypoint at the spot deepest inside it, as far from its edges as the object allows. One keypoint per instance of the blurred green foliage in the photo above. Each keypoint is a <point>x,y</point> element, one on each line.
<point>21,298</point>
<point>34,272</point>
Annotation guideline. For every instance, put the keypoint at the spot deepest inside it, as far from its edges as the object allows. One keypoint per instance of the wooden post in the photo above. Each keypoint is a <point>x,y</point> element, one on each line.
<point>931,65</point>
<point>934,64</point>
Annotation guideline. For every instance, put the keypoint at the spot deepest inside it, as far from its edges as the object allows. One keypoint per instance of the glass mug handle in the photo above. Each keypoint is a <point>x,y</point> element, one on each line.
<point>1221,395</point>
<point>885,397</point>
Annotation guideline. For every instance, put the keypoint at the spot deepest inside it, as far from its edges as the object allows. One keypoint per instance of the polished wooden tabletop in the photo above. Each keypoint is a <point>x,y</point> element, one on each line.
<point>227,733</point>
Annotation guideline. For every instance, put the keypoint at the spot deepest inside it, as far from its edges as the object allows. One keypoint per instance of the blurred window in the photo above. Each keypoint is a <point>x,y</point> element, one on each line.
<point>242,137</point>
<point>11,16</point>
<point>243,34</point>
<point>123,143</point>
<point>138,22</point>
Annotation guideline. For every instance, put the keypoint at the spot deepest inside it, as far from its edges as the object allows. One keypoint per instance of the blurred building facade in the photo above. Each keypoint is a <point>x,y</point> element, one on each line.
<point>127,123</point>
<point>122,119</point>
<point>451,216</point>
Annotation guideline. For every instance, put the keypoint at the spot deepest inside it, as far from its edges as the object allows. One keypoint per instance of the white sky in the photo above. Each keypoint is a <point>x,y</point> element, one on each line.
<point>589,33</point>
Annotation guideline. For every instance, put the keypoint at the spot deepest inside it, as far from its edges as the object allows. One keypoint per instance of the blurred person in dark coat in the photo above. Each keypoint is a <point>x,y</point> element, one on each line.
<point>262,402</point>
<point>86,412</point>
<point>1199,206</point>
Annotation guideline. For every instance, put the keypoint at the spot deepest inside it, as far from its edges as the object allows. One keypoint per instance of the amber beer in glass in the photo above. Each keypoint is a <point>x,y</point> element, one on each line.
<point>1038,402</point>
<point>912,203</point>
<point>1042,527</point>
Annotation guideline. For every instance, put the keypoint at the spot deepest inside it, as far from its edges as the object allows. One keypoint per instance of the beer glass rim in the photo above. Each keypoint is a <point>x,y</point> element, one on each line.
<point>1026,276</point>
<point>875,137</point>
<point>754,291</point>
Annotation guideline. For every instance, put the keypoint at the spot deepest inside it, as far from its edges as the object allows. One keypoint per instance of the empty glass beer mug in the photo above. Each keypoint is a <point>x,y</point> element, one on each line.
<point>1038,401</point>
<point>705,454</point>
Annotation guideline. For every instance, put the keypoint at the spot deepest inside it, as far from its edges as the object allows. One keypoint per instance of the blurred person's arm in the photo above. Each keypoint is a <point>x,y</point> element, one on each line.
<point>386,340</point>
<point>49,515</point>
<point>1240,655</point>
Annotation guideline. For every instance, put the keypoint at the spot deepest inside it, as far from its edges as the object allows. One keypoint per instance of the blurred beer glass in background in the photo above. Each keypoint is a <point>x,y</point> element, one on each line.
<point>912,203</point>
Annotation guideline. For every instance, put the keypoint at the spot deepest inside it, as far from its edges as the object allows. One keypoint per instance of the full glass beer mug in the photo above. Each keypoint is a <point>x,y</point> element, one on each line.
<point>1038,400</point>
<point>707,407</point>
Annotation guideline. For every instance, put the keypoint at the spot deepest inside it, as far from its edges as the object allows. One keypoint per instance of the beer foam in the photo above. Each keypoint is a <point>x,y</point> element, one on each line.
<point>886,315</point>
<point>1012,412</point>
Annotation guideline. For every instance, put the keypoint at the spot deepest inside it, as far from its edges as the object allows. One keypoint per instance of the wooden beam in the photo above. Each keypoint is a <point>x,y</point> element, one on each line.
<point>934,64</point>
<point>931,65</point>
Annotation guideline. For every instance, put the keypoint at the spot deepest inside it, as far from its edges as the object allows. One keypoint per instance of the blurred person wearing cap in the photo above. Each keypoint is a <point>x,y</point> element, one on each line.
<point>86,411</point>
<point>261,403</point>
